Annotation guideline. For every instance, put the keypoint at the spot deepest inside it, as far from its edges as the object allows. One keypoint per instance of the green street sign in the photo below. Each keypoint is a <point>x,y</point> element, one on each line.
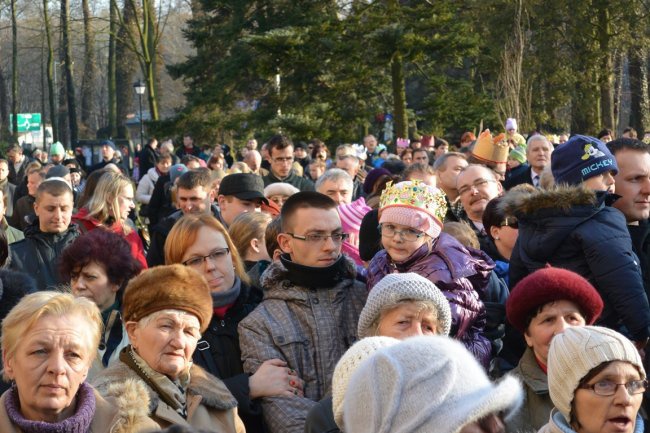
<point>26,122</point>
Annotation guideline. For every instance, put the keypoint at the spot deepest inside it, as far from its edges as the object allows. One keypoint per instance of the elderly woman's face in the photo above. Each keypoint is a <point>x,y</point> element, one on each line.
<point>166,343</point>
<point>92,282</point>
<point>408,320</point>
<point>608,414</point>
<point>554,318</point>
<point>50,362</point>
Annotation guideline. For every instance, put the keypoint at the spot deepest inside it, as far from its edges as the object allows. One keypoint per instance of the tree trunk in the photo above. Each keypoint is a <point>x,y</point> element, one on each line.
<point>150,54</point>
<point>112,87</point>
<point>605,73</point>
<point>4,108</point>
<point>14,69</point>
<point>90,70</point>
<point>585,107</point>
<point>125,69</point>
<point>399,96</point>
<point>50,73</point>
<point>639,106</point>
<point>67,67</point>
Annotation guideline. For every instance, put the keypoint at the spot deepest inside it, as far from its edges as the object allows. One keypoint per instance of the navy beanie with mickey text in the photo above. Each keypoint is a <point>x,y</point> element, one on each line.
<point>580,158</point>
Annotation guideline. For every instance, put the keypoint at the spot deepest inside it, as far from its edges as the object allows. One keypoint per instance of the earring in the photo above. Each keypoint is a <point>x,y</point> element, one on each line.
<point>496,238</point>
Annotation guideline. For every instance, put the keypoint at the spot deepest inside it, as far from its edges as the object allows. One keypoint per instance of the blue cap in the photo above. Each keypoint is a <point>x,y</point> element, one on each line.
<point>580,158</point>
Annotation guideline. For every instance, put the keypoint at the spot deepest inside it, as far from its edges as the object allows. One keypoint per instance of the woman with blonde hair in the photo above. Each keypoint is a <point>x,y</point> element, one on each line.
<point>49,341</point>
<point>109,207</point>
<point>248,234</point>
<point>203,244</point>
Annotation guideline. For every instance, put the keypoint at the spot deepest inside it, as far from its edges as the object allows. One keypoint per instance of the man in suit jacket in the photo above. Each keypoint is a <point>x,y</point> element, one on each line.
<point>538,153</point>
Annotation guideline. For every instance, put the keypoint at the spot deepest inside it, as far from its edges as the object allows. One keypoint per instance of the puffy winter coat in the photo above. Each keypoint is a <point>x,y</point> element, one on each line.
<point>146,185</point>
<point>461,273</point>
<point>310,329</point>
<point>573,228</point>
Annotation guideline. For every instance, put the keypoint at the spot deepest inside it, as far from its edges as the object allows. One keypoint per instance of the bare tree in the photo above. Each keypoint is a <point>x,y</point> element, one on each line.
<point>90,68</point>
<point>513,92</point>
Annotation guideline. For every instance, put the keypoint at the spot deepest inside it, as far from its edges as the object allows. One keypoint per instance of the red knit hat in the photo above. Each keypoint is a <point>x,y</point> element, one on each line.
<point>548,285</point>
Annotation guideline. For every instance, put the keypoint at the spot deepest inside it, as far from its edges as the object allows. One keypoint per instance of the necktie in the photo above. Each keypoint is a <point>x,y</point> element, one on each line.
<point>536,181</point>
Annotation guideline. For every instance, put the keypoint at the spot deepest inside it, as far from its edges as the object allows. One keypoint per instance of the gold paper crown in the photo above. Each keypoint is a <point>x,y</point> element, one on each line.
<point>417,195</point>
<point>491,150</point>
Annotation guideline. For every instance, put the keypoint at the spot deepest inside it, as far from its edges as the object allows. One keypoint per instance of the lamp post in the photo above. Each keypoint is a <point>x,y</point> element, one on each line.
<point>139,88</point>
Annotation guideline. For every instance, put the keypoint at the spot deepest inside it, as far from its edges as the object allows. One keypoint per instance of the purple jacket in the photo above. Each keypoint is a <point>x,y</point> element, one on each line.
<point>461,273</point>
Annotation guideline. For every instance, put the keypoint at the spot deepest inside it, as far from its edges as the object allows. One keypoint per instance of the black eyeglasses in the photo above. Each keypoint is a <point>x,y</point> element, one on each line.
<point>316,238</point>
<point>215,256</point>
<point>510,222</point>
<point>607,387</point>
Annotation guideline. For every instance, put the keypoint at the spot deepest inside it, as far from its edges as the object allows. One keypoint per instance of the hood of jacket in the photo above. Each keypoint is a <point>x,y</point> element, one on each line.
<point>276,285</point>
<point>548,217</point>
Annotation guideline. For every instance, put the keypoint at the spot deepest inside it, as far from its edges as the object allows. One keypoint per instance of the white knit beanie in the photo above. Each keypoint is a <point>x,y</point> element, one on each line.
<point>400,287</point>
<point>511,123</point>
<point>348,364</point>
<point>577,351</point>
<point>424,385</point>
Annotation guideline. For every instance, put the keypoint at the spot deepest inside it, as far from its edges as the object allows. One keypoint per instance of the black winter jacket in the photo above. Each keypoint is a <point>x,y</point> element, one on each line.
<point>573,228</point>
<point>219,354</point>
<point>38,254</point>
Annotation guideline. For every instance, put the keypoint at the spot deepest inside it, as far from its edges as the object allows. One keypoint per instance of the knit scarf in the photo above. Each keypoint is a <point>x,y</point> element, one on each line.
<point>219,299</point>
<point>317,278</point>
<point>77,423</point>
<point>173,393</point>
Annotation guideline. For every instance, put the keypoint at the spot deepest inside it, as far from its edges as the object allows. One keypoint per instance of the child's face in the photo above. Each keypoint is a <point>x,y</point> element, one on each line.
<point>398,248</point>
<point>512,163</point>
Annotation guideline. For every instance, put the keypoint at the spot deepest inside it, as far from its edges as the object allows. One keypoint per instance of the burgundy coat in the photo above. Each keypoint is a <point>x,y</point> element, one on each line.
<point>461,273</point>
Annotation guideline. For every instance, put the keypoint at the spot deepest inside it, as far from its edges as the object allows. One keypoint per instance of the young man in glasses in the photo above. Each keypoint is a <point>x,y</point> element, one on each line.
<point>311,307</point>
<point>281,158</point>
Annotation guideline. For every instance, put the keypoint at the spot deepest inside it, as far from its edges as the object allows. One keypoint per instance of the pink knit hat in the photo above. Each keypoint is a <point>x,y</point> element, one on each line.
<point>414,204</point>
<point>351,216</point>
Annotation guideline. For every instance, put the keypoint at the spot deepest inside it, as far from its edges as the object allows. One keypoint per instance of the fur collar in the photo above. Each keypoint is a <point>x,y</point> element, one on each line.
<point>560,197</point>
<point>118,378</point>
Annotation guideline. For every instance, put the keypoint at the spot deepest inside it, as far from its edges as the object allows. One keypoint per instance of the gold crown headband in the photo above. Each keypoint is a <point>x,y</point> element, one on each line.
<point>415,194</point>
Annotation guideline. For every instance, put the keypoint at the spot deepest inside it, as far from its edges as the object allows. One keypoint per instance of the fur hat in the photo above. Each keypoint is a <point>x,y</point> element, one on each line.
<point>280,188</point>
<point>424,385</point>
<point>491,150</point>
<point>580,158</point>
<point>175,287</point>
<point>414,204</point>
<point>547,285</point>
<point>400,287</point>
<point>348,364</point>
<point>577,351</point>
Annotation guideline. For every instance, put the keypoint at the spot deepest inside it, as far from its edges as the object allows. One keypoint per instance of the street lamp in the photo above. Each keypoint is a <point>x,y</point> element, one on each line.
<point>139,88</point>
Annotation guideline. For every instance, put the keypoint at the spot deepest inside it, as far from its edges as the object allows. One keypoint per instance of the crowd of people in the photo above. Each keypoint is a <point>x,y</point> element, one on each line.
<point>498,285</point>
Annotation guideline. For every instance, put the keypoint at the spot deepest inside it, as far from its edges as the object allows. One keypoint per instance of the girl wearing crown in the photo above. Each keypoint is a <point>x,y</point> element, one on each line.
<point>410,223</point>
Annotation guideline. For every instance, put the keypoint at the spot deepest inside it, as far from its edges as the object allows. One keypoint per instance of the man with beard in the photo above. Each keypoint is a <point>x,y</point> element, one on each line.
<point>538,153</point>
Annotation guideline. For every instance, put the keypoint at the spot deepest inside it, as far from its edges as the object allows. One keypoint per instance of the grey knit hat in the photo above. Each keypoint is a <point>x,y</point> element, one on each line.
<point>401,287</point>
<point>577,351</point>
<point>423,385</point>
<point>348,364</point>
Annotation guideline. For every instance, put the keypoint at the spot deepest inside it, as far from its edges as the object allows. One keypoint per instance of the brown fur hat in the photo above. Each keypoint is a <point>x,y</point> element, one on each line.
<point>175,287</point>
